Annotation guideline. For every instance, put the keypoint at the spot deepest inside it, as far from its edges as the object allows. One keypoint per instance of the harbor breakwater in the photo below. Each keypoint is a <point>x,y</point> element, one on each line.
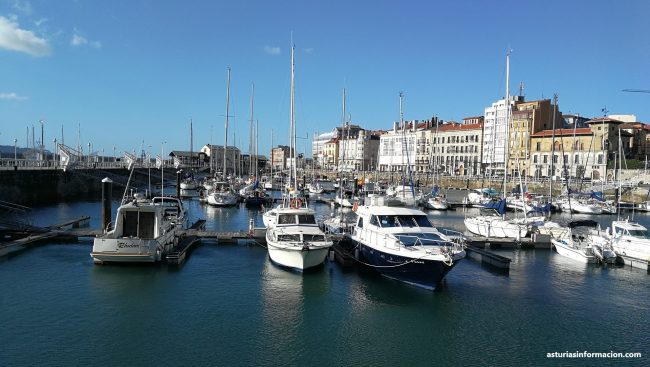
<point>36,187</point>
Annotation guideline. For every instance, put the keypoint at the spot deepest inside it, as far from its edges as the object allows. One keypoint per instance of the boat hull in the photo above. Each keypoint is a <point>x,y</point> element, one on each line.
<point>563,248</point>
<point>495,227</point>
<point>222,200</point>
<point>295,257</point>
<point>189,186</point>
<point>119,250</point>
<point>421,273</point>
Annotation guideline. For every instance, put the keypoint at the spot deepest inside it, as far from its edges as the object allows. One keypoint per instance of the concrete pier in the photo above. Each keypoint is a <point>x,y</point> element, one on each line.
<point>488,258</point>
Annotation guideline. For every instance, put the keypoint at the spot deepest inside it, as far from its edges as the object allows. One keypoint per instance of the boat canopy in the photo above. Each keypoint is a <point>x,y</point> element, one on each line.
<point>583,223</point>
<point>499,206</point>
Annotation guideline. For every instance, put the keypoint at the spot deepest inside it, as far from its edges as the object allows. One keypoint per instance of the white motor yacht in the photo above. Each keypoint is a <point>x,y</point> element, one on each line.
<point>631,239</point>
<point>293,237</point>
<point>402,244</point>
<point>144,231</point>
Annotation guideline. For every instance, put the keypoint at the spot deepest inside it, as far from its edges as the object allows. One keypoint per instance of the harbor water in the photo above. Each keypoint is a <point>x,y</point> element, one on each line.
<point>228,305</point>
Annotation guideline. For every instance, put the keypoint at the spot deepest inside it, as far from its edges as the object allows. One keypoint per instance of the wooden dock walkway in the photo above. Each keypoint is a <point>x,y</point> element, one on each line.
<point>536,242</point>
<point>38,234</point>
<point>179,252</point>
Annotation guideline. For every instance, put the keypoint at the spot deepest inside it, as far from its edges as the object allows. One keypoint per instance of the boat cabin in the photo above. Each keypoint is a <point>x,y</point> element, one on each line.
<point>625,228</point>
<point>292,218</point>
<point>398,220</point>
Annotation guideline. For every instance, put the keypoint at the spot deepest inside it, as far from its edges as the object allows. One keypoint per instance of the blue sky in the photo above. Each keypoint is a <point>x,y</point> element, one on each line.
<point>138,70</point>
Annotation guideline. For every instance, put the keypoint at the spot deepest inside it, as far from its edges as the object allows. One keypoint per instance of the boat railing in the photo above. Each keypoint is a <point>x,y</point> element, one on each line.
<point>444,246</point>
<point>396,242</point>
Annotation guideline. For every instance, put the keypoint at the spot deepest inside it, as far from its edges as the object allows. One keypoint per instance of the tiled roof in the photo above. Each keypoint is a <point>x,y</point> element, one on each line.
<point>459,127</point>
<point>563,132</point>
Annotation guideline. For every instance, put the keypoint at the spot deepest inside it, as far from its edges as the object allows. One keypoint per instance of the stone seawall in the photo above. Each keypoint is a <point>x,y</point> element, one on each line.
<point>36,187</point>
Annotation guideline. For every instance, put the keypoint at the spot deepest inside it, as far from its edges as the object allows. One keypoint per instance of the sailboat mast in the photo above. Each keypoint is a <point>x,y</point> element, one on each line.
<point>225,144</point>
<point>507,137</point>
<point>191,144</point>
<point>257,141</point>
<point>552,173</point>
<point>292,129</point>
<point>250,140</point>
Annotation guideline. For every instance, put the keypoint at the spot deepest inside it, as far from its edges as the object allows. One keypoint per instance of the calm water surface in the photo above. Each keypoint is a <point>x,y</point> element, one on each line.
<point>228,305</point>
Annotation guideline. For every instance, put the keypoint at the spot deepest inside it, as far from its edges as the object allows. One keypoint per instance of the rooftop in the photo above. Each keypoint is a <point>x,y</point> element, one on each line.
<point>563,132</point>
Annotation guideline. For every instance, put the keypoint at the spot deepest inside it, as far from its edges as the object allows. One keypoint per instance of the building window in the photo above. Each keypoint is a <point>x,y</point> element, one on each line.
<point>545,158</point>
<point>576,159</point>
<point>535,159</point>
<point>600,159</point>
<point>538,146</point>
<point>555,158</point>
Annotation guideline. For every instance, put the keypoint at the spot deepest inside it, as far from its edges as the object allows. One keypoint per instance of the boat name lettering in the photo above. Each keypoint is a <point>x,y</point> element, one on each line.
<point>127,245</point>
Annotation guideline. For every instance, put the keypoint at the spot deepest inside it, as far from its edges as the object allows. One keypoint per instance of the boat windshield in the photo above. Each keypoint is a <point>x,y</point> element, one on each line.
<point>639,233</point>
<point>313,237</point>
<point>423,239</point>
<point>289,238</point>
<point>286,219</point>
<point>306,219</point>
<point>388,221</point>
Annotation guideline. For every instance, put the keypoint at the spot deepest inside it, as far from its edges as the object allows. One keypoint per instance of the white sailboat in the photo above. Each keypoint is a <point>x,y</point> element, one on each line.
<point>497,225</point>
<point>222,193</point>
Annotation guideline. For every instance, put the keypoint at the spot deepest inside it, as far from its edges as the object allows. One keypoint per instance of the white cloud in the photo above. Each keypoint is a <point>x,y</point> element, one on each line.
<point>40,21</point>
<point>272,50</point>
<point>22,6</point>
<point>78,40</point>
<point>15,39</point>
<point>12,96</point>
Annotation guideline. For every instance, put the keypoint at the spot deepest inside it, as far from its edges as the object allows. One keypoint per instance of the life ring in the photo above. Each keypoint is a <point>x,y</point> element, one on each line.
<point>296,203</point>
<point>356,206</point>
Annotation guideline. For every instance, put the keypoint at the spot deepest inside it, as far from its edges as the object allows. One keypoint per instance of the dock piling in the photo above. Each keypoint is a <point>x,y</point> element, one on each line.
<point>107,198</point>
<point>178,183</point>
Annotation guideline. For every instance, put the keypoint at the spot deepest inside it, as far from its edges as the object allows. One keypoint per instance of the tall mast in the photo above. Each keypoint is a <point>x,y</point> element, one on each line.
<point>191,143</point>
<point>342,151</point>
<point>225,144</point>
<point>552,173</point>
<point>292,129</point>
<point>250,140</point>
<point>507,120</point>
<point>257,137</point>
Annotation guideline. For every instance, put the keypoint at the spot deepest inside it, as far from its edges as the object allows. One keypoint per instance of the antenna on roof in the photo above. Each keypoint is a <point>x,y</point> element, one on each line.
<point>521,89</point>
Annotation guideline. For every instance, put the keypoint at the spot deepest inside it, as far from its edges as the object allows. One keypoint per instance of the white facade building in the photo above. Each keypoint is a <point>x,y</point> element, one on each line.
<point>359,154</point>
<point>495,134</point>
<point>398,149</point>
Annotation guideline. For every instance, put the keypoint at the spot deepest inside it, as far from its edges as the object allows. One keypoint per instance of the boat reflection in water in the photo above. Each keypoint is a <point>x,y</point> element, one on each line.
<point>291,303</point>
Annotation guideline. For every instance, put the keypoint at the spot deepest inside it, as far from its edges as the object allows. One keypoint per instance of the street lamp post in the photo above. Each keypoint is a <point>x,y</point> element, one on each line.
<point>15,152</point>
<point>56,150</point>
<point>114,159</point>
<point>89,154</point>
<point>42,142</point>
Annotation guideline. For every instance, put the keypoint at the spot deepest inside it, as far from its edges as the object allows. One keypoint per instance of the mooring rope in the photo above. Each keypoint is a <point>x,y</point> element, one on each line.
<point>451,262</point>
